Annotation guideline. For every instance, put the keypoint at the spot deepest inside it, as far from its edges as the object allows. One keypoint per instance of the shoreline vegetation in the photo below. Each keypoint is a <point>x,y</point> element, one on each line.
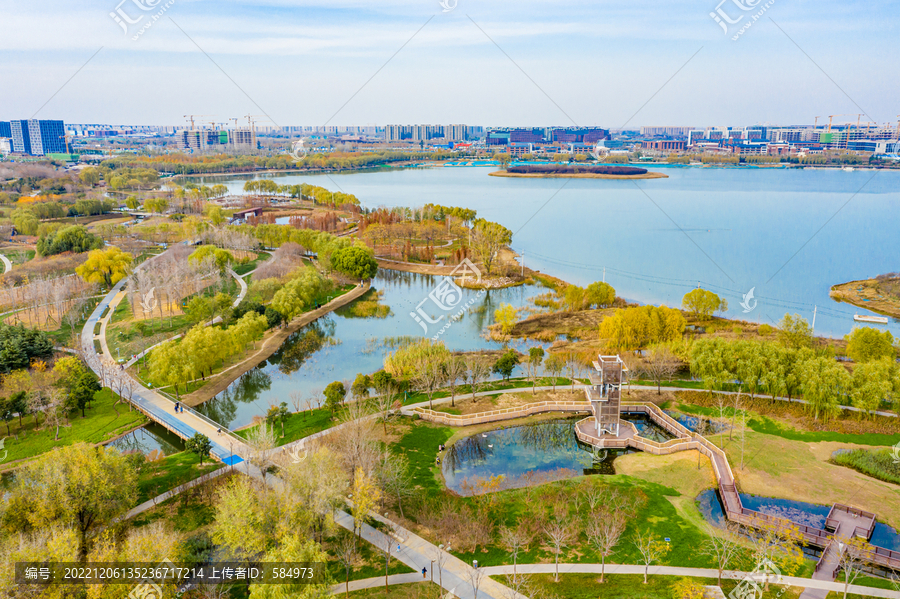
<point>879,294</point>
<point>579,171</point>
<point>647,175</point>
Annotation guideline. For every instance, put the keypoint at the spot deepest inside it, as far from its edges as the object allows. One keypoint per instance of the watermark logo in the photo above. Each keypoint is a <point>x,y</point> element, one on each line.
<point>146,590</point>
<point>5,453</point>
<point>148,301</point>
<point>125,20</point>
<point>725,20</point>
<point>446,296</point>
<point>298,150</point>
<point>294,452</point>
<point>448,5</point>
<point>749,304</point>
<point>599,151</point>
<point>753,584</point>
<point>895,452</point>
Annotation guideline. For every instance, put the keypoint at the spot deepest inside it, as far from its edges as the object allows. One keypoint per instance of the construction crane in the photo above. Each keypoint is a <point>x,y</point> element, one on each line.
<point>816,124</point>
<point>66,137</point>
<point>251,122</point>
<point>191,118</point>
<point>831,116</point>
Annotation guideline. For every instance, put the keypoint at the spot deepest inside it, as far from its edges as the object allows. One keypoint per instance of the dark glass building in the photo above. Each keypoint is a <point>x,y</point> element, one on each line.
<point>38,138</point>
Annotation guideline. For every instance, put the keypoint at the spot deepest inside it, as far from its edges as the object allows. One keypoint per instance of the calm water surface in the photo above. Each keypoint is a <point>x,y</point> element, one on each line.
<point>810,514</point>
<point>531,454</point>
<point>339,346</point>
<point>788,233</point>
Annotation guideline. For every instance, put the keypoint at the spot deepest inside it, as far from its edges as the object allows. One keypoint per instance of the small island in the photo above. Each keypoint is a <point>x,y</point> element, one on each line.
<point>578,171</point>
<point>881,294</point>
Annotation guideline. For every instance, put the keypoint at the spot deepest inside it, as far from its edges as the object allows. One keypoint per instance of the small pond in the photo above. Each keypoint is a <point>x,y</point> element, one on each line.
<point>810,514</point>
<point>149,438</point>
<point>531,454</point>
<point>690,422</point>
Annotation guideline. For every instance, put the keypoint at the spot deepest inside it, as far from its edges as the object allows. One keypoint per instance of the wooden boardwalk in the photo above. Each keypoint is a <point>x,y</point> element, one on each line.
<point>844,521</point>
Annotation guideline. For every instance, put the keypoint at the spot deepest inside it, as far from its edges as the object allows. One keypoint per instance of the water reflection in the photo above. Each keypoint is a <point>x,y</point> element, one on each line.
<point>151,437</point>
<point>337,348</point>
<point>710,505</point>
<point>524,455</point>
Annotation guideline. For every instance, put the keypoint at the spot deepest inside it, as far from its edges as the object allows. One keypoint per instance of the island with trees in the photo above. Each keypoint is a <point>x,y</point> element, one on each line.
<point>578,171</point>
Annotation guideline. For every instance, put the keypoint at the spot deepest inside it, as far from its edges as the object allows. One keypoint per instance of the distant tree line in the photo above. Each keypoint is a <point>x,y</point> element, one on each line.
<point>576,169</point>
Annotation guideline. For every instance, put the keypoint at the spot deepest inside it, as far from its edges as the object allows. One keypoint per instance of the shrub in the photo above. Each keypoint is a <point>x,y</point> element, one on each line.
<point>765,330</point>
<point>68,239</point>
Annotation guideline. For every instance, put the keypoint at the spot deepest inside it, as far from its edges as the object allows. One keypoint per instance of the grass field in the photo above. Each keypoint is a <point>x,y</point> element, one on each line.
<point>100,425</point>
<point>878,463</point>
<point>155,478</point>
<point>298,425</point>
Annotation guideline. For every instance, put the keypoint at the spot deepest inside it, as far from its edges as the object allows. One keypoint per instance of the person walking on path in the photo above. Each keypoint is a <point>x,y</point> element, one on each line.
<point>424,572</point>
<point>176,407</point>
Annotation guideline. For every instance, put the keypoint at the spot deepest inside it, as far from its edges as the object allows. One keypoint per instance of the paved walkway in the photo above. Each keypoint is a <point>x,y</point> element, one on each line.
<point>497,571</point>
<point>6,263</point>
<point>155,406</point>
<point>417,553</point>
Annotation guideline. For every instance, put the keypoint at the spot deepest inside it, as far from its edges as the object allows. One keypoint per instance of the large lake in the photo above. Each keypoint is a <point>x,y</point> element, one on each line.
<point>789,233</point>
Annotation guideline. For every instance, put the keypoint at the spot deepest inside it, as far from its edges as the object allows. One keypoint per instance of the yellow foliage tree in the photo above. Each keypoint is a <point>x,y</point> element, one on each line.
<point>107,266</point>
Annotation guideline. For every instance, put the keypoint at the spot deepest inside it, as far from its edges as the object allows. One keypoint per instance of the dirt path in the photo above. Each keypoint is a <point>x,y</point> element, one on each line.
<point>270,345</point>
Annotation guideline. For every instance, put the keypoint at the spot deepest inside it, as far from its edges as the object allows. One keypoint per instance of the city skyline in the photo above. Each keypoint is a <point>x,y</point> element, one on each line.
<point>608,65</point>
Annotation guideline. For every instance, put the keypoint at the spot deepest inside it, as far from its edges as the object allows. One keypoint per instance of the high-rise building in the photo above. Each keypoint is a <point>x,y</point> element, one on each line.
<point>38,138</point>
<point>5,130</point>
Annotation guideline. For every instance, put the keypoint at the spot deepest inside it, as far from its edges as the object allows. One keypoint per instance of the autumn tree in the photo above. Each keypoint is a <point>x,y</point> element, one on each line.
<point>794,332</point>
<point>505,316</point>
<point>723,545</point>
<point>78,486</point>
<point>366,496</point>
<point>105,266</point>
<point>703,304</point>
<point>651,548</point>
<point>487,240</point>
<point>865,344</point>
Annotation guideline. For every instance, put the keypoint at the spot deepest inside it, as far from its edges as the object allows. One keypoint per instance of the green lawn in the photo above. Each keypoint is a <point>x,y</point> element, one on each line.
<point>18,256</point>
<point>420,446</point>
<point>242,269</point>
<point>155,478</point>
<point>100,425</point>
<point>298,425</point>
<point>762,424</point>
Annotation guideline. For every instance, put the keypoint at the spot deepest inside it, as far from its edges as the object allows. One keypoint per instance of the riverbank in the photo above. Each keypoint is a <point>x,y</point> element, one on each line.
<point>871,294</point>
<point>270,345</point>
<point>647,175</point>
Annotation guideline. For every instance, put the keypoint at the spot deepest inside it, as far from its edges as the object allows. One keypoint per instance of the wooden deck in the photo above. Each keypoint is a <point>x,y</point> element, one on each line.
<point>842,521</point>
<point>847,521</point>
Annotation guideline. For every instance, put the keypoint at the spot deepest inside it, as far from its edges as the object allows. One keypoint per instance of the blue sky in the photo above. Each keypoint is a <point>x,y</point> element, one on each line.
<point>527,62</point>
